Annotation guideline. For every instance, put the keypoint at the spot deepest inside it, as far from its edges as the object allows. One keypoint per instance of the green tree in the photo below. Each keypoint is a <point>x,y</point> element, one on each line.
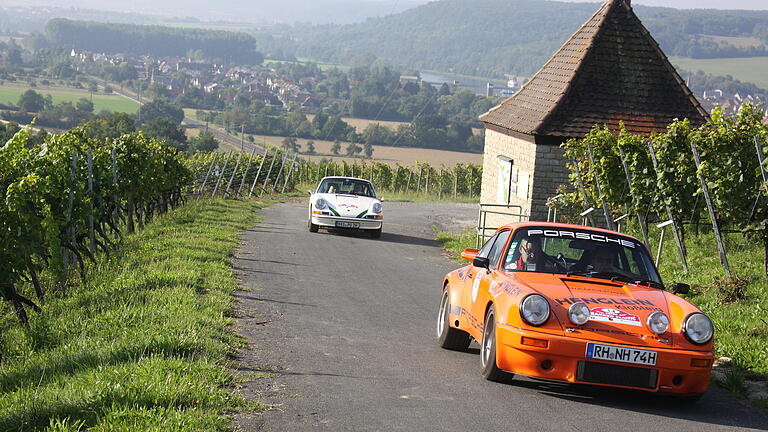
<point>336,147</point>
<point>32,101</point>
<point>165,129</point>
<point>310,147</point>
<point>84,105</point>
<point>205,141</point>
<point>290,144</point>
<point>368,150</point>
<point>161,108</point>
<point>111,125</point>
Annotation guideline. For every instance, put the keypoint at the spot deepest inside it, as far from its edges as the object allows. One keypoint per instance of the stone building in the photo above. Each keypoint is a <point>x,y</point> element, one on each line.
<point>611,70</point>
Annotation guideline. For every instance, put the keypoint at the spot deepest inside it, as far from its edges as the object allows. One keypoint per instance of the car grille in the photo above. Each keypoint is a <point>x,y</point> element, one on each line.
<point>603,373</point>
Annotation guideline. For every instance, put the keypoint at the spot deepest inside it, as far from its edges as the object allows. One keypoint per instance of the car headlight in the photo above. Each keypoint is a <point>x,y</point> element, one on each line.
<point>376,207</point>
<point>320,204</point>
<point>658,322</point>
<point>534,309</point>
<point>698,328</point>
<point>578,313</point>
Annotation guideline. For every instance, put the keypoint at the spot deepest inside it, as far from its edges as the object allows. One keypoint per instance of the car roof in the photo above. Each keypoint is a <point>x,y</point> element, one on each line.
<point>346,178</point>
<point>515,226</point>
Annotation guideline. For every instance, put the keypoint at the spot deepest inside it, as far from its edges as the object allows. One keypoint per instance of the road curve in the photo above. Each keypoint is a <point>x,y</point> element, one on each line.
<point>344,327</point>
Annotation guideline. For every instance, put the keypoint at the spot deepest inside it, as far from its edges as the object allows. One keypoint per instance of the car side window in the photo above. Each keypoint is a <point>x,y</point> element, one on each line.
<point>498,248</point>
<point>486,249</point>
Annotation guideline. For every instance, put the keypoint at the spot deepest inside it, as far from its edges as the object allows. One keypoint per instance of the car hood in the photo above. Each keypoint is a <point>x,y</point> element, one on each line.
<point>348,205</point>
<point>618,311</point>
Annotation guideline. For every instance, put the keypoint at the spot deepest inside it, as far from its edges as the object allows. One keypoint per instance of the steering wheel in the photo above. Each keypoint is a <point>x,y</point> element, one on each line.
<point>554,260</point>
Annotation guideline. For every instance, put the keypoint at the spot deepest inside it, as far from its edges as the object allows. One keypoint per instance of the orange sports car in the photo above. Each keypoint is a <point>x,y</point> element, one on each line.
<point>575,304</point>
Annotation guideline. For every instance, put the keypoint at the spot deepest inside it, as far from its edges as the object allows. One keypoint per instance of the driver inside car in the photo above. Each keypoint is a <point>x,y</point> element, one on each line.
<point>528,256</point>
<point>603,262</point>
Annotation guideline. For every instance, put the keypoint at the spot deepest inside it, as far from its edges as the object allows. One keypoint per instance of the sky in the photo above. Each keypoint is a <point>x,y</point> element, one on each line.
<point>699,4</point>
<point>340,11</point>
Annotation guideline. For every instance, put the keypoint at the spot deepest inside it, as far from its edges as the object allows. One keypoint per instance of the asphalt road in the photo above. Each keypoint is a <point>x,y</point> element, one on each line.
<point>344,325</point>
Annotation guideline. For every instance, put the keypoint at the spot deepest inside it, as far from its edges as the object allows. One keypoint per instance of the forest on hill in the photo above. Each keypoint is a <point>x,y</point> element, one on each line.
<point>156,41</point>
<point>496,37</point>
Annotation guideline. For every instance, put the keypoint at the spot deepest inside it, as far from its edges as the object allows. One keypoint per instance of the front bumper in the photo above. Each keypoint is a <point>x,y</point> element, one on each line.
<point>562,356</point>
<point>330,222</point>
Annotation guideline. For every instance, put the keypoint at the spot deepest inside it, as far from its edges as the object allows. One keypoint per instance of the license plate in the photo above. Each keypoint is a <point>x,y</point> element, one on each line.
<point>621,354</point>
<point>347,224</point>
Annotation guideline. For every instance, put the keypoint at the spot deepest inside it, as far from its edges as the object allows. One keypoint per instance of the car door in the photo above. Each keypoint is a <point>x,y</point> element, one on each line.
<point>479,296</point>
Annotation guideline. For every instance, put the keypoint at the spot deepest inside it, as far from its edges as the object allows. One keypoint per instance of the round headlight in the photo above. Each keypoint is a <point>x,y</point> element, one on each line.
<point>698,328</point>
<point>376,207</point>
<point>578,313</point>
<point>658,322</point>
<point>534,309</point>
<point>320,204</point>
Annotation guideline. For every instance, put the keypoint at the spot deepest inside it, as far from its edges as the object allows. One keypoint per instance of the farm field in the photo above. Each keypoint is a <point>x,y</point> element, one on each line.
<point>749,69</point>
<point>361,124</point>
<point>10,92</point>
<point>391,155</point>
<point>405,156</point>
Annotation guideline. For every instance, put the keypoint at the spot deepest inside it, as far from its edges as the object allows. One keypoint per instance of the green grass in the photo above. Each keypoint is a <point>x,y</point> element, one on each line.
<point>748,69</point>
<point>144,344</point>
<point>10,93</point>
<point>738,309</point>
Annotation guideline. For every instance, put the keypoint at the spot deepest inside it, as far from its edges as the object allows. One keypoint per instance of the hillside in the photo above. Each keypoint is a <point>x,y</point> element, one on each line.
<point>496,37</point>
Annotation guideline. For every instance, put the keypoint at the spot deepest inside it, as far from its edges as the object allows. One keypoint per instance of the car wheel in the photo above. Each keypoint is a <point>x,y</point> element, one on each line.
<point>312,227</point>
<point>447,336</point>
<point>491,371</point>
<point>376,233</point>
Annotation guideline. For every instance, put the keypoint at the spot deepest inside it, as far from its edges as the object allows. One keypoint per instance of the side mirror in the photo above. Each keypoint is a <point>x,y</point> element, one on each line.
<point>482,262</point>
<point>311,191</point>
<point>681,288</point>
<point>469,254</point>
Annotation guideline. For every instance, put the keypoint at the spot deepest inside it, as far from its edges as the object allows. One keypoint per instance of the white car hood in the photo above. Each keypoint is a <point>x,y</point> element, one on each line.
<point>347,205</point>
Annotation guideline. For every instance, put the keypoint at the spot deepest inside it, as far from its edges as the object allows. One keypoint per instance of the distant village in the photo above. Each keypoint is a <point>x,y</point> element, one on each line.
<point>178,75</point>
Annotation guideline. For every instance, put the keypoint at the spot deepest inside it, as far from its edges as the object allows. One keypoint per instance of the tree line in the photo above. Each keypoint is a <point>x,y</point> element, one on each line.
<point>153,40</point>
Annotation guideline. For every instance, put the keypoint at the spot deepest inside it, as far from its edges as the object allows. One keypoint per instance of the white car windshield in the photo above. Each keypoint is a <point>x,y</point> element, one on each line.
<point>346,186</point>
<point>580,252</point>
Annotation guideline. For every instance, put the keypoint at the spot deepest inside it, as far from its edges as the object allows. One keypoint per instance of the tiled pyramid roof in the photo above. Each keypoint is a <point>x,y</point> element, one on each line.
<point>610,70</point>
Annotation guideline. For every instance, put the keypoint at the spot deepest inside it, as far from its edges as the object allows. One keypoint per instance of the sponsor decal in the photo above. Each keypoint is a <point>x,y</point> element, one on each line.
<point>581,236</point>
<point>476,285</point>
<point>348,206</point>
<point>471,320</point>
<point>616,302</point>
<point>504,288</point>
<point>614,316</point>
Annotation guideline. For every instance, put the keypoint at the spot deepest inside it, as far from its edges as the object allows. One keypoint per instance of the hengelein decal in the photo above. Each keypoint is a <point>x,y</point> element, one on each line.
<point>581,236</point>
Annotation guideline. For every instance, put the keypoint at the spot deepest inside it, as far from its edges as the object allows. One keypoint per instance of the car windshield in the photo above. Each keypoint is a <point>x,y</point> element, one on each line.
<point>580,252</point>
<point>346,186</point>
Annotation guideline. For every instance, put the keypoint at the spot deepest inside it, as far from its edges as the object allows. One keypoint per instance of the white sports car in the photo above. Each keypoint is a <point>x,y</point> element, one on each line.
<point>345,203</point>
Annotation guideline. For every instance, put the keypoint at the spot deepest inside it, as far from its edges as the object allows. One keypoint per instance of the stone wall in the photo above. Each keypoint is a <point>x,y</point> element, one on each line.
<point>523,155</point>
<point>544,164</point>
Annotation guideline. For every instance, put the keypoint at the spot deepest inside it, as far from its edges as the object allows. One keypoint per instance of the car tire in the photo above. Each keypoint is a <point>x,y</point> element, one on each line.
<point>312,227</point>
<point>376,233</point>
<point>491,371</point>
<point>448,337</point>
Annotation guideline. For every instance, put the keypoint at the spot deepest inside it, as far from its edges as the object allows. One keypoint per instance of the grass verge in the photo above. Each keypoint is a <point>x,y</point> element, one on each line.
<point>144,344</point>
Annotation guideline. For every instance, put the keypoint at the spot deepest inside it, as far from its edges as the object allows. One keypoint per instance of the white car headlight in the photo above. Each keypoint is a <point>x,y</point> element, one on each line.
<point>320,204</point>
<point>698,328</point>
<point>658,322</point>
<point>376,207</point>
<point>534,309</point>
<point>578,313</point>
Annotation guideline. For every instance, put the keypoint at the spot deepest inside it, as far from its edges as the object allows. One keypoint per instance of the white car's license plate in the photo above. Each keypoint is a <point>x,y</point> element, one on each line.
<point>347,224</point>
<point>621,354</point>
